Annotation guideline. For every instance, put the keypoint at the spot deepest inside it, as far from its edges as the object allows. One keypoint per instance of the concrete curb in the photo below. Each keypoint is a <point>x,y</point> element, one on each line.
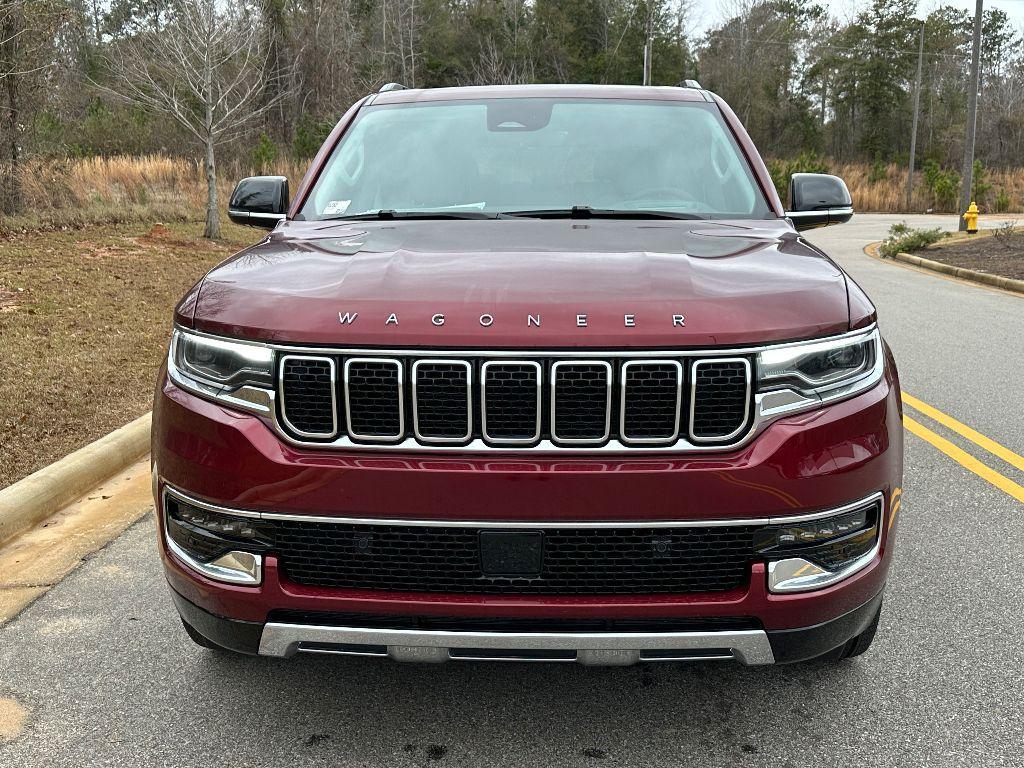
<point>970,275</point>
<point>996,281</point>
<point>43,493</point>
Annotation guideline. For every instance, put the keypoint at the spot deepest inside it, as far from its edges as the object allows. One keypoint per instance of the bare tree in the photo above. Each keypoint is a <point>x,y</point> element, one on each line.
<point>206,69</point>
<point>26,33</point>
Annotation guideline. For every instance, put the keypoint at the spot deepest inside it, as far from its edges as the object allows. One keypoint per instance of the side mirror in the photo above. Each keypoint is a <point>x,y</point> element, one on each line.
<point>259,201</point>
<point>817,200</point>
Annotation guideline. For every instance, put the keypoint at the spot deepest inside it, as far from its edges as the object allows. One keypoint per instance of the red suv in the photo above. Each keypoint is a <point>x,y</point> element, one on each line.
<point>531,372</point>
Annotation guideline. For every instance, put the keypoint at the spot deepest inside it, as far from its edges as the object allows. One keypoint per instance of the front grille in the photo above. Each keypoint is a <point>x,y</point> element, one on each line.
<point>581,401</point>
<point>470,399</point>
<point>651,396</point>
<point>511,402</point>
<point>373,399</point>
<point>442,400</point>
<point>721,395</point>
<point>307,395</point>
<point>576,561</point>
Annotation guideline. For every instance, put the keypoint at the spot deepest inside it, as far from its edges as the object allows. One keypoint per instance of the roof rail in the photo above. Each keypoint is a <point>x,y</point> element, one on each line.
<point>689,84</point>
<point>392,87</point>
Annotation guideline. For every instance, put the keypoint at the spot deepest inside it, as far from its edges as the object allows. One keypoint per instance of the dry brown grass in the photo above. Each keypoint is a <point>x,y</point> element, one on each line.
<point>84,322</point>
<point>888,194</point>
<point>74,193</point>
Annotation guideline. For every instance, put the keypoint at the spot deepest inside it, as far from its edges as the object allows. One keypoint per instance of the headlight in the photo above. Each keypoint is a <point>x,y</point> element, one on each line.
<point>824,369</point>
<point>238,373</point>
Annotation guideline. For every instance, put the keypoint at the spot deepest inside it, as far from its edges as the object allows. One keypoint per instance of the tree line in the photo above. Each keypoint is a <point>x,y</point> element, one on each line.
<point>258,79</point>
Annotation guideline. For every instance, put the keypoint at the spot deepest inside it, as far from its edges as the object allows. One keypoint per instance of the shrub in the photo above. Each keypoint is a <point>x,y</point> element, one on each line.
<point>1002,202</point>
<point>264,155</point>
<point>904,239</point>
<point>782,169</point>
<point>979,186</point>
<point>879,171</point>
<point>309,135</point>
<point>944,185</point>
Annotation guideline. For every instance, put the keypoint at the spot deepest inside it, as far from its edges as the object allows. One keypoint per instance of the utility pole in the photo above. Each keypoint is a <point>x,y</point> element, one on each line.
<point>648,46</point>
<point>972,118</point>
<point>913,131</point>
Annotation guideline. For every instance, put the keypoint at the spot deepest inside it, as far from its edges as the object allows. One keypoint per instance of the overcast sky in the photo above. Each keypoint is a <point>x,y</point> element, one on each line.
<point>708,13</point>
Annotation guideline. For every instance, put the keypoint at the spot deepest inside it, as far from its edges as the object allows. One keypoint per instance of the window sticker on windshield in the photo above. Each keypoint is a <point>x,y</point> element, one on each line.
<point>336,207</point>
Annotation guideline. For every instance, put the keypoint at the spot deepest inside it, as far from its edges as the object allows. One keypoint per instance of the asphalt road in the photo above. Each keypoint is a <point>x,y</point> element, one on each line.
<point>107,677</point>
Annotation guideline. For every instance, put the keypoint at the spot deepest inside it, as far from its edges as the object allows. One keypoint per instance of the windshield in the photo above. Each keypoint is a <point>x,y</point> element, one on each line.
<point>537,156</point>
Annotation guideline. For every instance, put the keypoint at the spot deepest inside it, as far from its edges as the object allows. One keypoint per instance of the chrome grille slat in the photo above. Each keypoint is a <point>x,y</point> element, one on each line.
<point>374,414</point>
<point>510,401</point>
<point>651,401</point>
<point>470,401</point>
<point>719,399</point>
<point>308,384</point>
<point>581,402</point>
<point>442,400</point>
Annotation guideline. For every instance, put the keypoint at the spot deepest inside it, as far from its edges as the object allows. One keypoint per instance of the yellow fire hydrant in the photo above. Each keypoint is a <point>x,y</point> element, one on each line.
<point>971,217</point>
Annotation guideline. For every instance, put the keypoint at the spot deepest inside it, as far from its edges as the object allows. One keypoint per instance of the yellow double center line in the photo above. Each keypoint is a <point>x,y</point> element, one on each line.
<point>961,456</point>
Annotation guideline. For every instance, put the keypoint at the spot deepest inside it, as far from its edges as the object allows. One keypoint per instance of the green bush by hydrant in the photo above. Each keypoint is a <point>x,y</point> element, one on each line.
<point>904,239</point>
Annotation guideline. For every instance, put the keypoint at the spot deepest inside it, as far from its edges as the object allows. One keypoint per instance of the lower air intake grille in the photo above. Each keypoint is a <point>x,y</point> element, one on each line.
<point>721,396</point>
<point>600,561</point>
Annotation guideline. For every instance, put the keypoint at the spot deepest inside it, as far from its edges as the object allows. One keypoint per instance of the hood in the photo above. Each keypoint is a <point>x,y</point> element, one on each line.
<point>526,283</point>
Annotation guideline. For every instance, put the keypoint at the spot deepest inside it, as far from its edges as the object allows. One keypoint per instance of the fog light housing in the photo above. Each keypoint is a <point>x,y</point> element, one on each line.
<point>222,547</point>
<point>811,554</point>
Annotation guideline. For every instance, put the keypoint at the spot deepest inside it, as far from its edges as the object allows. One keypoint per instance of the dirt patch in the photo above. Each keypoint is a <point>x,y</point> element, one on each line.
<point>161,236</point>
<point>84,322</point>
<point>12,720</point>
<point>1002,253</point>
<point>8,301</point>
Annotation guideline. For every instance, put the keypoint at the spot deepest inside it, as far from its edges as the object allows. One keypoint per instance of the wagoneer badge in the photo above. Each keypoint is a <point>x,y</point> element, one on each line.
<point>487,320</point>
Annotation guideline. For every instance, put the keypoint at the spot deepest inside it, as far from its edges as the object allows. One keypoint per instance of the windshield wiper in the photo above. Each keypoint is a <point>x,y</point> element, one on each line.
<point>586,212</point>
<point>389,213</point>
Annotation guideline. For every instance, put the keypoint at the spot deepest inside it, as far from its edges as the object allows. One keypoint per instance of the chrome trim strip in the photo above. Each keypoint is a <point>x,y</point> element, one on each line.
<point>484,368</point>
<point>607,404</point>
<point>545,353</point>
<point>255,214</point>
<point>251,576</point>
<point>623,371</point>
<point>693,400</point>
<point>469,402</point>
<point>749,646</point>
<point>334,395</point>
<point>847,211</point>
<point>526,524</point>
<point>401,402</point>
<point>780,583</point>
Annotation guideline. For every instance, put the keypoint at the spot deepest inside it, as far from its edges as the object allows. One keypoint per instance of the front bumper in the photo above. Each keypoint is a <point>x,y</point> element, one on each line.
<point>748,646</point>
<point>804,463</point>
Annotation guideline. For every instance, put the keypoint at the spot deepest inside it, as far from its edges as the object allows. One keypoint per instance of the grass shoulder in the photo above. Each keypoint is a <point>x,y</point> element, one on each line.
<point>84,317</point>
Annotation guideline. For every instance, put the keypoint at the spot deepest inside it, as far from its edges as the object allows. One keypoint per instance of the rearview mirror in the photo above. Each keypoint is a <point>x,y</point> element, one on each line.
<point>259,201</point>
<point>818,200</point>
